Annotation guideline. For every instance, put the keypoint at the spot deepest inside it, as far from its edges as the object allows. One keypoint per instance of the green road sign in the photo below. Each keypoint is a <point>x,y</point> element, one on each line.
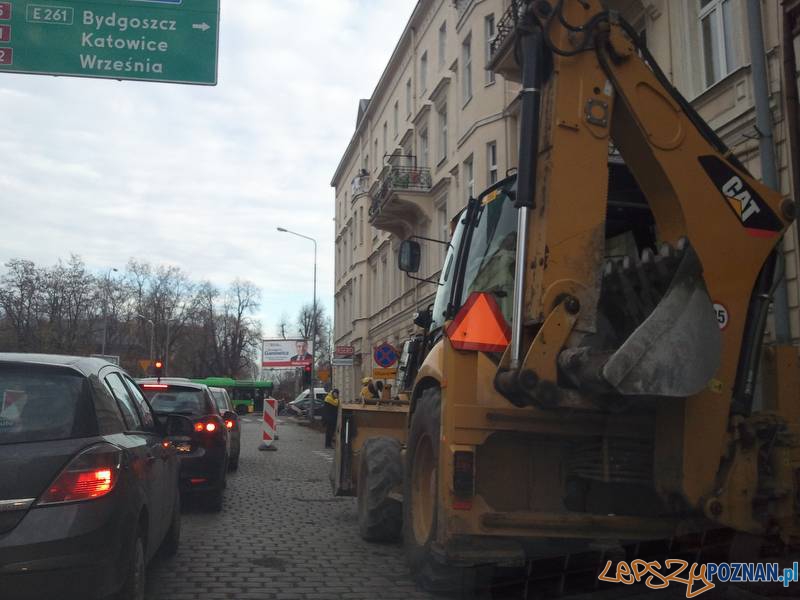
<point>172,41</point>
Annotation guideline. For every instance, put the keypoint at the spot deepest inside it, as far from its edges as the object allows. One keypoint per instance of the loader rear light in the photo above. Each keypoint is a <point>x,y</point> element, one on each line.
<point>460,504</point>
<point>464,475</point>
<point>90,475</point>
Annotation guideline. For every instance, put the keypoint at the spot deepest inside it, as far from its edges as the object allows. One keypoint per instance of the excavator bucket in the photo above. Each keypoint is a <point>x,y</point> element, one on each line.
<point>676,350</point>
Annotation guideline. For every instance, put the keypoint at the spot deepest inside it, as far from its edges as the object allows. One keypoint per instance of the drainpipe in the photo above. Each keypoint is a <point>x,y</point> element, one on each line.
<point>766,143</point>
<point>792,106</point>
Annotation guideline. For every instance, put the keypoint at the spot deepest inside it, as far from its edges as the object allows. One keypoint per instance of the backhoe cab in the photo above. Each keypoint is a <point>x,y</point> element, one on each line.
<point>595,348</point>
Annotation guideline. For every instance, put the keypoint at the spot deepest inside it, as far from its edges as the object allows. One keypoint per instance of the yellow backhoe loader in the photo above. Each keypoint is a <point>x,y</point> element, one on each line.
<point>593,375</point>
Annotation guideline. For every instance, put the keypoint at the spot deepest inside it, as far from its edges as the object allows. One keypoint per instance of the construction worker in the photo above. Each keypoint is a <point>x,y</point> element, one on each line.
<point>330,415</point>
<point>368,391</point>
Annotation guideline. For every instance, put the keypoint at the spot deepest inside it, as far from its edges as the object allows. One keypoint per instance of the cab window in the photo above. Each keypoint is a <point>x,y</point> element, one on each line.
<point>490,258</point>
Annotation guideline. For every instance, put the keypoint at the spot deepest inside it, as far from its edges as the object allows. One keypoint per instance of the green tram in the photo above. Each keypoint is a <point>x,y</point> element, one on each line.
<point>247,395</point>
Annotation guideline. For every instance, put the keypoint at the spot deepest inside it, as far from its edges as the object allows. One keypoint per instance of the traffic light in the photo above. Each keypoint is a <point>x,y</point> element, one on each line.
<point>159,368</point>
<point>307,375</point>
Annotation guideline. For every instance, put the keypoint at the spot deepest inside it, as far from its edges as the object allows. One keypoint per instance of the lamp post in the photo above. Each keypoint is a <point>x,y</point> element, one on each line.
<point>105,310</point>
<point>313,324</point>
<point>152,333</point>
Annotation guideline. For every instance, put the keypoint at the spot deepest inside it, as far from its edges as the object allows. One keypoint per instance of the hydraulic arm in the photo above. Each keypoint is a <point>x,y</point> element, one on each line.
<point>674,322</point>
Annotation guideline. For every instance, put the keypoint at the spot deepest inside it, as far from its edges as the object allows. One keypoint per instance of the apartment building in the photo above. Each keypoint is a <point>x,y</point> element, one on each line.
<point>440,127</point>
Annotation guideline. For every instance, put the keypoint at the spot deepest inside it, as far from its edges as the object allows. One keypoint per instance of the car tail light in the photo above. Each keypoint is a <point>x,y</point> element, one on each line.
<point>229,423</point>
<point>155,386</point>
<point>206,427</point>
<point>90,475</point>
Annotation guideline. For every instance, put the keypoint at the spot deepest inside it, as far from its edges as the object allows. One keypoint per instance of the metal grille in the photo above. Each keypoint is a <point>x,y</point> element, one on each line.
<point>613,460</point>
<point>506,25</point>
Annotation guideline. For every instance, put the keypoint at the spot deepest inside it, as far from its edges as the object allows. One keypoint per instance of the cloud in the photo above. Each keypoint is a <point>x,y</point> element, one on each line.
<point>200,177</point>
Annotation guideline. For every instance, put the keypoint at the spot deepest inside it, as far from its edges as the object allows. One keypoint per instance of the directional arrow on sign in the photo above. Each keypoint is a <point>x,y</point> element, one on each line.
<point>201,26</point>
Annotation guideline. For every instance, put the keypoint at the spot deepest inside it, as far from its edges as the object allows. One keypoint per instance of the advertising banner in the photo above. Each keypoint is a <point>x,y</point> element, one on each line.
<point>286,353</point>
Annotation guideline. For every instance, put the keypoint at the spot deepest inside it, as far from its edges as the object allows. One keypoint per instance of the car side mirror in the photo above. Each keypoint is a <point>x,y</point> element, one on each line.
<point>409,256</point>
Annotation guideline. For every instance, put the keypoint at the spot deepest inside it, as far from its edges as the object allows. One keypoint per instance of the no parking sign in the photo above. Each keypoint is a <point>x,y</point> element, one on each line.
<point>385,357</point>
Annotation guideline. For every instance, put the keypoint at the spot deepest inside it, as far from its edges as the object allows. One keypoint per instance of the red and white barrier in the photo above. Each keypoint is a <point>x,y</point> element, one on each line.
<point>269,424</point>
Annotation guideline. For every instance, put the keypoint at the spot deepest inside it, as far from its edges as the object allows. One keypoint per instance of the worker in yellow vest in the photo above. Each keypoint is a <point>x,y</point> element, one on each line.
<point>330,415</point>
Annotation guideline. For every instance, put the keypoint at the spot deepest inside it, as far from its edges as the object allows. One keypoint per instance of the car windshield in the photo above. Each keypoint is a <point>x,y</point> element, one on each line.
<point>178,400</point>
<point>41,404</point>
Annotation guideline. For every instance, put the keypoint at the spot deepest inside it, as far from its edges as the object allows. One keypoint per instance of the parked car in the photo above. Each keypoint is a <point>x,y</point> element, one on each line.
<point>89,486</point>
<point>299,406</point>
<point>224,405</point>
<point>205,454</point>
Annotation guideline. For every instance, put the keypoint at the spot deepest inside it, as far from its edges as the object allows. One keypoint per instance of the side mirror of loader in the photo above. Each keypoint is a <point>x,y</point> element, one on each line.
<point>409,256</point>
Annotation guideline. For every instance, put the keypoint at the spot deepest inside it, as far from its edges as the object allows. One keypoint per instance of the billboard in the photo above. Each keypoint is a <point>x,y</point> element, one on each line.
<point>285,353</point>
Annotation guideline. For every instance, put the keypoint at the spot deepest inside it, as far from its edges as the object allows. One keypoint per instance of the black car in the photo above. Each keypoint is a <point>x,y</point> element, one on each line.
<point>88,482</point>
<point>205,455</point>
<point>225,406</point>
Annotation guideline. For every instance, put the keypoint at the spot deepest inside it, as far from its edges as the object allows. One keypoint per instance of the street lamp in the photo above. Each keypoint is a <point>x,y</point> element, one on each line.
<point>105,309</point>
<point>313,324</point>
<point>152,333</point>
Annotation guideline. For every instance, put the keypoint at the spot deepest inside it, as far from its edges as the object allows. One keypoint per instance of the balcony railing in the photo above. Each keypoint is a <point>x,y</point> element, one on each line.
<point>507,24</point>
<point>360,185</point>
<point>400,179</point>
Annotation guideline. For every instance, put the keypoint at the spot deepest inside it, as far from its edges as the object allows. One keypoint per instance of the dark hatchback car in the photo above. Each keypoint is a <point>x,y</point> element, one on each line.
<point>225,406</point>
<point>205,453</point>
<point>88,482</point>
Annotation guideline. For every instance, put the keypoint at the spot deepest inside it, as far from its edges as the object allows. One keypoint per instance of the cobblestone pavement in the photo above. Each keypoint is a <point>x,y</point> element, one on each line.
<point>281,535</point>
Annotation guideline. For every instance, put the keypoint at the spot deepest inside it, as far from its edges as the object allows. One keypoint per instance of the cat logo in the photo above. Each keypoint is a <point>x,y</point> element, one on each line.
<point>740,199</point>
<point>751,210</point>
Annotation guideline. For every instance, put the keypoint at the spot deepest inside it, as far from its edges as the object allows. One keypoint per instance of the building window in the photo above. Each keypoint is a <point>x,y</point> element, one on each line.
<point>491,162</point>
<point>469,177</point>
<point>361,226</point>
<point>408,98</point>
<point>442,44</point>
<point>424,148</point>
<point>716,30</point>
<point>423,71</point>
<point>376,153</point>
<point>396,118</point>
<point>385,137</point>
<point>442,112</point>
<point>489,28</point>
<point>444,229</point>
<point>466,68</point>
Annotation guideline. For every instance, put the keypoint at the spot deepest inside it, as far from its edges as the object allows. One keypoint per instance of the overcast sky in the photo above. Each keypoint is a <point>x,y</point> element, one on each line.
<point>200,177</point>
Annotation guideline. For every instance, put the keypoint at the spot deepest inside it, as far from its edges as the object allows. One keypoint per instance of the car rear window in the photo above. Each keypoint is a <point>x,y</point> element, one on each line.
<point>39,404</point>
<point>219,398</point>
<point>179,400</point>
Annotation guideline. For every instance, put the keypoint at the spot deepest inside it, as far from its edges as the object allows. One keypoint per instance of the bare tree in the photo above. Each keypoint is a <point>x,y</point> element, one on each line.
<point>21,302</point>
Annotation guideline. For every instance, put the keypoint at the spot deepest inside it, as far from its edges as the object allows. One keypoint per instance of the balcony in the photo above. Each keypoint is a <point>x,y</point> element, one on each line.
<point>360,185</point>
<point>400,198</point>
<point>502,59</point>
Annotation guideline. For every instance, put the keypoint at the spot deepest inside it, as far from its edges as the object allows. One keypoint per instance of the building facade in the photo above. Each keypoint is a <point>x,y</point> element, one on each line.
<point>440,127</point>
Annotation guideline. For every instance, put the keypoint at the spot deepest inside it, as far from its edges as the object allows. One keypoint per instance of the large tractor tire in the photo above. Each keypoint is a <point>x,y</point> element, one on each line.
<point>420,504</point>
<point>380,471</point>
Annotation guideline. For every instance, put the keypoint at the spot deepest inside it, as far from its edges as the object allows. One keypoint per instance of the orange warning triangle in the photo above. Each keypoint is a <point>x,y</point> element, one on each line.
<point>479,325</point>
